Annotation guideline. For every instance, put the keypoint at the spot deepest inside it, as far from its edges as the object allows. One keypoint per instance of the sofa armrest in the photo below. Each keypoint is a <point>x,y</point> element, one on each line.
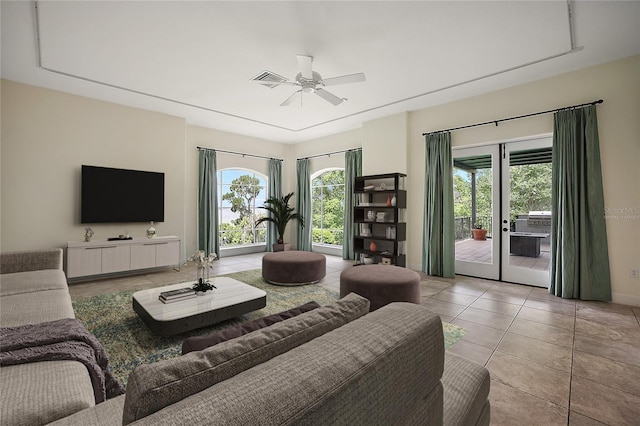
<point>30,260</point>
<point>466,392</point>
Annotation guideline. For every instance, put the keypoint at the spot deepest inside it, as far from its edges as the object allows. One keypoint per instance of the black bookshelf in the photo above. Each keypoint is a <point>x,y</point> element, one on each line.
<point>379,218</point>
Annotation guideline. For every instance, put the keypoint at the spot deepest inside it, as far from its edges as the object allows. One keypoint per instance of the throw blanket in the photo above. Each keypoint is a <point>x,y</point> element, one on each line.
<point>65,339</point>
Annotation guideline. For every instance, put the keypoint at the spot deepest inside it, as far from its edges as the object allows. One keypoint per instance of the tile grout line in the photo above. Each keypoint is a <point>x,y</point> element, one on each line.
<point>466,307</point>
<point>506,331</point>
<point>574,333</point>
<point>498,344</point>
<point>571,370</point>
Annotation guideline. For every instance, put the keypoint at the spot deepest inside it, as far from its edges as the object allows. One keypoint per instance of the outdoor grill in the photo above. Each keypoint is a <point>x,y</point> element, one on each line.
<point>539,219</point>
<point>535,222</point>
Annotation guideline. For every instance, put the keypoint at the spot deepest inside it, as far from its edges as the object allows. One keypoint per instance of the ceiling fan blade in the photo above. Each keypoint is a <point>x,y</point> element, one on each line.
<point>328,96</point>
<point>290,98</point>
<point>351,78</point>
<point>304,63</point>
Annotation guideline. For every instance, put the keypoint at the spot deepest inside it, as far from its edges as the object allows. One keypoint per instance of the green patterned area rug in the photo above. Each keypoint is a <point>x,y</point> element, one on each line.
<point>129,343</point>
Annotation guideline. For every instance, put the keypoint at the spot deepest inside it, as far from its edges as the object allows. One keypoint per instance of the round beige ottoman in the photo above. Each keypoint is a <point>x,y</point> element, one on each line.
<point>381,284</point>
<point>293,267</point>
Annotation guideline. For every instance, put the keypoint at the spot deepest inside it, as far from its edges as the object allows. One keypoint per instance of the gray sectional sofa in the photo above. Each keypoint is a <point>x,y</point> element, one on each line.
<point>33,289</point>
<point>337,364</point>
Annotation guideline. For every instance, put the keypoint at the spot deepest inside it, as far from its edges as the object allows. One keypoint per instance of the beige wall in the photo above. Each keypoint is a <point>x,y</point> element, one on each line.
<point>384,145</point>
<point>47,135</point>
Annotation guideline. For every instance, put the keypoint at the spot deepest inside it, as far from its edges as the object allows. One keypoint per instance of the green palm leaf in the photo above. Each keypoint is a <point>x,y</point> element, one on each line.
<point>280,213</point>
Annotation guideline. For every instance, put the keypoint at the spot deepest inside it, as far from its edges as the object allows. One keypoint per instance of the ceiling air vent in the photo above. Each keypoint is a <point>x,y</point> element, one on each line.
<point>267,77</point>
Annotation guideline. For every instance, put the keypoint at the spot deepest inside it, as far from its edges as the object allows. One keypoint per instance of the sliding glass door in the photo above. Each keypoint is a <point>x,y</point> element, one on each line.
<point>502,208</point>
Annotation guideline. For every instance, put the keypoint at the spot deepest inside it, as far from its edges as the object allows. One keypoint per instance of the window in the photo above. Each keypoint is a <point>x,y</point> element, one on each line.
<point>327,204</point>
<point>241,193</point>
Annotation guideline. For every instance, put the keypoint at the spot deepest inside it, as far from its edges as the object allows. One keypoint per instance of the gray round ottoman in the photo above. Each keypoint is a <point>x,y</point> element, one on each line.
<point>293,267</point>
<point>381,284</point>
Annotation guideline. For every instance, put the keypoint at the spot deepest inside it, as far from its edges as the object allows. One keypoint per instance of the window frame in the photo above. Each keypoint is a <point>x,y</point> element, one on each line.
<point>237,249</point>
<point>327,248</point>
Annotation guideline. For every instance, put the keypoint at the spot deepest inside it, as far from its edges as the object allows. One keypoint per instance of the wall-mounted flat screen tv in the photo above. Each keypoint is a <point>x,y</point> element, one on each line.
<point>121,196</point>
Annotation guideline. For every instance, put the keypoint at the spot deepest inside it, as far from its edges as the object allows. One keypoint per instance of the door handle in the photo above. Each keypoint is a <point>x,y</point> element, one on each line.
<point>505,229</point>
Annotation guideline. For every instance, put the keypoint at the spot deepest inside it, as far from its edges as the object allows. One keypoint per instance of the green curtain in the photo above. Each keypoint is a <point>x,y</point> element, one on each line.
<point>438,240</point>
<point>274,190</point>
<point>352,168</point>
<point>579,251</point>
<point>303,205</point>
<point>208,203</point>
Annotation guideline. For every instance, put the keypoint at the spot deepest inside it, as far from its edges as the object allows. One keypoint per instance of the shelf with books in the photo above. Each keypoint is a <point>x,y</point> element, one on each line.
<point>379,216</point>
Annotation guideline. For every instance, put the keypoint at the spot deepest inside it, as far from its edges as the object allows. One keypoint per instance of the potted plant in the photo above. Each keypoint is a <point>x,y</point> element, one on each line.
<point>281,214</point>
<point>202,287</point>
<point>479,233</point>
<point>203,268</point>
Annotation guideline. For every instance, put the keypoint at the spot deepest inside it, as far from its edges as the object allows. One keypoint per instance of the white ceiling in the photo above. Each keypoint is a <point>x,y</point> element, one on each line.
<point>196,59</point>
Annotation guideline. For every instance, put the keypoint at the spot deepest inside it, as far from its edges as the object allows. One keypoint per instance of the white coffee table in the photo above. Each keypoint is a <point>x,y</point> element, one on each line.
<point>232,298</point>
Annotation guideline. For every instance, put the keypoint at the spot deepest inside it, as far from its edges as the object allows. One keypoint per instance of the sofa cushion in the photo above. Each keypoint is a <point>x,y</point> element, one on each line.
<point>380,369</point>
<point>42,392</point>
<point>27,282</point>
<point>108,413</point>
<point>154,386</point>
<point>30,260</point>
<point>198,343</point>
<point>466,390</point>
<point>36,307</point>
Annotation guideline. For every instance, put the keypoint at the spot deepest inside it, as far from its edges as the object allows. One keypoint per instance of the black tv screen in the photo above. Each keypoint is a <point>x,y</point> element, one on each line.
<point>121,196</point>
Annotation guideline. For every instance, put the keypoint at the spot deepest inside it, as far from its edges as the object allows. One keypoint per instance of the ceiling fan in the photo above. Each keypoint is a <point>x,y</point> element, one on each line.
<point>309,81</point>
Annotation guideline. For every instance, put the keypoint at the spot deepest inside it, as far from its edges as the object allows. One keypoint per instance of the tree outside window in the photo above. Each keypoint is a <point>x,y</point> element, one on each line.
<point>327,205</point>
<point>530,190</point>
<point>240,194</point>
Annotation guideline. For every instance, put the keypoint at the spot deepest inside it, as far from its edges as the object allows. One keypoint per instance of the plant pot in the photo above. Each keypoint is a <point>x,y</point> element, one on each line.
<point>203,293</point>
<point>281,247</point>
<point>479,234</point>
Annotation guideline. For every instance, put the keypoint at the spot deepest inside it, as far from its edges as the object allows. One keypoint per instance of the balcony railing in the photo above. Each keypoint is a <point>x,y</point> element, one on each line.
<point>240,236</point>
<point>327,236</point>
<point>463,226</point>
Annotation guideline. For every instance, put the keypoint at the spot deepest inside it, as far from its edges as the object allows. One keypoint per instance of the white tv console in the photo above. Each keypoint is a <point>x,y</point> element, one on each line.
<point>85,259</point>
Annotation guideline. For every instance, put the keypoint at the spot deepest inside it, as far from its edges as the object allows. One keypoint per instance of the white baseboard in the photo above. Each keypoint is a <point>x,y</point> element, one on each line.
<point>625,299</point>
<point>325,249</point>
<point>415,266</point>
<point>240,250</point>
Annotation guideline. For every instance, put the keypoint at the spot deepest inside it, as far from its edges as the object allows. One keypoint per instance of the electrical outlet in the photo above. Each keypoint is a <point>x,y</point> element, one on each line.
<point>634,273</point>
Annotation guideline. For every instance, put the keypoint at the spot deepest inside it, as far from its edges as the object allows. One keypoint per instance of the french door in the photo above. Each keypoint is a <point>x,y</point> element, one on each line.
<point>505,190</point>
<point>476,195</point>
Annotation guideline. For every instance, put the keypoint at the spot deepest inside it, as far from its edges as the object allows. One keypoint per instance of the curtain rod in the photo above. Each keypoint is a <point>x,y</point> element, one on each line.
<point>200,148</point>
<point>329,154</point>
<point>599,101</point>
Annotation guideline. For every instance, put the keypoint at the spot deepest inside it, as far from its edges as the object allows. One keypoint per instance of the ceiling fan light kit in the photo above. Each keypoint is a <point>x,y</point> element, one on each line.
<point>309,81</point>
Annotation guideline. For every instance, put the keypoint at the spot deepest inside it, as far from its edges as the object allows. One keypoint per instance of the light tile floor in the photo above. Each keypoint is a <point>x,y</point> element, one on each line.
<point>552,361</point>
